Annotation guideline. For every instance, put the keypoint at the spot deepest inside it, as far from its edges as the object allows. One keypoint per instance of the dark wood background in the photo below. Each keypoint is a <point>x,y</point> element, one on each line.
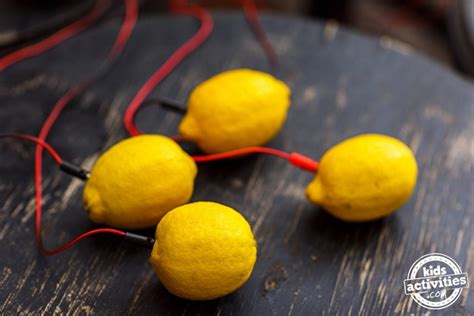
<point>343,84</point>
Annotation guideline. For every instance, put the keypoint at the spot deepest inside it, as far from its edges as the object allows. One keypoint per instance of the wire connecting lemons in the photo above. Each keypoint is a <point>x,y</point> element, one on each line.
<point>364,178</point>
<point>203,250</point>
<point>235,109</point>
<point>138,180</point>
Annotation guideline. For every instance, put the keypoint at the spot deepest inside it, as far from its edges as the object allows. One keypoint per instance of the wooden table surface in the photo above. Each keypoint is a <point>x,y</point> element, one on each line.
<point>343,84</point>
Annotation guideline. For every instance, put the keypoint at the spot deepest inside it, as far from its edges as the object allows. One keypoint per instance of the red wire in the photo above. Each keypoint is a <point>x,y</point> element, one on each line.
<point>80,237</point>
<point>130,21</point>
<point>296,159</point>
<point>188,47</point>
<point>251,14</point>
<point>131,16</point>
<point>174,60</point>
<point>38,141</point>
<point>55,39</point>
<point>241,152</point>
<point>59,161</point>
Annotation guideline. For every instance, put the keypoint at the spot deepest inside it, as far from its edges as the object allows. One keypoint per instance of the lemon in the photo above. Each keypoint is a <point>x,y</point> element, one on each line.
<point>364,178</point>
<point>135,182</point>
<point>203,250</point>
<point>235,109</point>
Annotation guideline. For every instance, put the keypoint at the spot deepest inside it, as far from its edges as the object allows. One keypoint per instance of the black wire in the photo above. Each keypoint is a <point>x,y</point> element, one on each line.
<point>167,104</point>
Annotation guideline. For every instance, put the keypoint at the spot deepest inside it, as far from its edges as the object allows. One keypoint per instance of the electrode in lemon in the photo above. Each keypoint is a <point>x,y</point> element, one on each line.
<point>203,251</point>
<point>134,183</point>
<point>235,109</point>
<point>364,178</point>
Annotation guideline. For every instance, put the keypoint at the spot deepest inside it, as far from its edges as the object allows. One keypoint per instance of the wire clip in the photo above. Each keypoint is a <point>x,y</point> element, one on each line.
<point>303,162</point>
<point>143,241</point>
<point>74,170</point>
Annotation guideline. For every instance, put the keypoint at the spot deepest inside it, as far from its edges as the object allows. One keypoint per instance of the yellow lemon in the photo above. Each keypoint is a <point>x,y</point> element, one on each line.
<point>364,178</point>
<point>138,180</point>
<point>235,109</point>
<point>203,250</point>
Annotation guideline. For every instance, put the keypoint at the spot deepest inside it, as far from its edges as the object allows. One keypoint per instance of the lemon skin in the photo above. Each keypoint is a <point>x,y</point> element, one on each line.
<point>135,182</point>
<point>235,109</point>
<point>203,250</point>
<point>364,178</point>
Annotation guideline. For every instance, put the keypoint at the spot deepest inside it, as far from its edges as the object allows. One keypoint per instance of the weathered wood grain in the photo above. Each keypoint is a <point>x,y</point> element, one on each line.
<point>308,263</point>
